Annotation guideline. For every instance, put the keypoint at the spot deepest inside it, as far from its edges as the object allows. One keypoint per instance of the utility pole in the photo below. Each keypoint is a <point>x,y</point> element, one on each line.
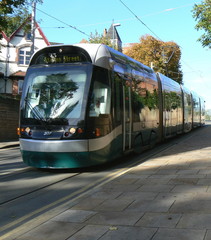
<point>114,44</point>
<point>33,27</point>
<point>167,59</point>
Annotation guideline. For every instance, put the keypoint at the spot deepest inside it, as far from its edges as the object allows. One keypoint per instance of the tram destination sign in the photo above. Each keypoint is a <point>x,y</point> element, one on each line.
<point>54,58</point>
<point>60,55</point>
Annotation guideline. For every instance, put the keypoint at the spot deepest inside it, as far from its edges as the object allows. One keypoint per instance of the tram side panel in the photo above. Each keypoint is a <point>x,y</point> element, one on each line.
<point>202,111</point>
<point>196,110</point>
<point>172,107</point>
<point>104,116</point>
<point>145,110</point>
<point>187,109</point>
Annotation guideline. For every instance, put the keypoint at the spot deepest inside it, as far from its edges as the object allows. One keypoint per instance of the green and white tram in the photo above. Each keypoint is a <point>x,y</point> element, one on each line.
<point>87,104</point>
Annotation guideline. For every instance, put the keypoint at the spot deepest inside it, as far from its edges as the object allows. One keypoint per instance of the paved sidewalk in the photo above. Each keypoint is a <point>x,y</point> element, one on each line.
<point>164,198</point>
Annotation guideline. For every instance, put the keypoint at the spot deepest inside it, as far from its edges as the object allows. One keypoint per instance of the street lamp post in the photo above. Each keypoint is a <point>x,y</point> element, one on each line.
<point>33,27</point>
<point>114,25</point>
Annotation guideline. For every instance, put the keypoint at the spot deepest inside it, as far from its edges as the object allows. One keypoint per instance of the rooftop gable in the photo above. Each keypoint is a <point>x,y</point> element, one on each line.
<point>20,28</point>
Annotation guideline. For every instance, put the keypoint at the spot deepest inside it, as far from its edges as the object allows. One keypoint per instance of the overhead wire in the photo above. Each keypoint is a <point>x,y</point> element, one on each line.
<point>139,19</point>
<point>63,22</point>
<point>154,32</point>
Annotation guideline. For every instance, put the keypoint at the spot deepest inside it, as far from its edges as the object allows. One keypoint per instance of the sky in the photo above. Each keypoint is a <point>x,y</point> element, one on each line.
<point>70,21</point>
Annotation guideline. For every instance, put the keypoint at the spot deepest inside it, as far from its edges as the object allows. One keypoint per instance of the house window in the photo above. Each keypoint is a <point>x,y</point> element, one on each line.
<point>24,57</point>
<point>28,36</point>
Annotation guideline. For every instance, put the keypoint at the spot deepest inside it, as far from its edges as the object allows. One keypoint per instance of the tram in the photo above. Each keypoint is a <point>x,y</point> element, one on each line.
<point>87,104</point>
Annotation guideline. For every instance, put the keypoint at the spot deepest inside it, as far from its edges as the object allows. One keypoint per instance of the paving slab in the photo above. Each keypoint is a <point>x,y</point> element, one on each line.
<point>111,205</point>
<point>199,176</point>
<point>105,194</point>
<point>158,220</point>
<point>193,206</point>
<point>184,180</point>
<point>138,196</point>
<point>190,188</point>
<point>157,205</point>
<point>208,235</point>
<point>77,216</point>
<point>120,187</point>
<point>195,221</point>
<point>86,204</point>
<point>90,232</point>
<point>156,188</point>
<point>153,181</point>
<point>179,234</point>
<point>184,196</point>
<point>53,231</point>
<point>125,233</point>
<point>127,218</point>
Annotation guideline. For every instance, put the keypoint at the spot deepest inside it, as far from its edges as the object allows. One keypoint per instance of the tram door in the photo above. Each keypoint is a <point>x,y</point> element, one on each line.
<point>127,118</point>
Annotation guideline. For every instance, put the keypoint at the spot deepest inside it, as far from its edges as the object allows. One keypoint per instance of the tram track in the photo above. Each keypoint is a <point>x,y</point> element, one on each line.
<point>11,163</point>
<point>13,172</point>
<point>37,189</point>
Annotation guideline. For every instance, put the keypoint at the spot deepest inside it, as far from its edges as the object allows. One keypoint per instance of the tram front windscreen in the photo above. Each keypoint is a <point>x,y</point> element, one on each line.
<point>55,94</point>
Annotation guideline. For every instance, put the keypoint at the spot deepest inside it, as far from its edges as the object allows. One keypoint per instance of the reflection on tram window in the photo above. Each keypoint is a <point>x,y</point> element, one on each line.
<point>55,95</point>
<point>100,102</point>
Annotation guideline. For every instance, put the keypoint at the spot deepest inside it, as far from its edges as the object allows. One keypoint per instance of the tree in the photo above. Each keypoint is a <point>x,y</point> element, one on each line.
<point>99,38</point>
<point>202,14</point>
<point>164,56</point>
<point>13,13</point>
<point>15,21</point>
<point>8,7</point>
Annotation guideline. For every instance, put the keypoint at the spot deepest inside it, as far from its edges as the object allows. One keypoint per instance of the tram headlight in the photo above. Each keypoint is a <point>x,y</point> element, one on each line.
<point>27,130</point>
<point>72,130</point>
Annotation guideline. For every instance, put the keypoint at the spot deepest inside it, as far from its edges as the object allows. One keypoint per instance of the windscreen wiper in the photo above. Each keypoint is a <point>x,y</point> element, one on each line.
<point>36,113</point>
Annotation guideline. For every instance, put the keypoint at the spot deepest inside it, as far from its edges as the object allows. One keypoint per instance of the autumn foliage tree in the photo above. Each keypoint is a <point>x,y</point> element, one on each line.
<point>163,56</point>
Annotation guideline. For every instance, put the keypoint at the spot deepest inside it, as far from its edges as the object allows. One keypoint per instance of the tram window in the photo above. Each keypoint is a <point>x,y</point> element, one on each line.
<point>117,97</point>
<point>56,94</point>
<point>101,100</point>
<point>101,94</point>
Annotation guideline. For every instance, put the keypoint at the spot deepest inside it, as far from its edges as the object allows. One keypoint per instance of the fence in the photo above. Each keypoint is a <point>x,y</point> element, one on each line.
<point>9,118</point>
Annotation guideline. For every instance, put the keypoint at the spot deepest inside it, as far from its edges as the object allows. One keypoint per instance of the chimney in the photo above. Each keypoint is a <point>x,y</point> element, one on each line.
<point>105,32</point>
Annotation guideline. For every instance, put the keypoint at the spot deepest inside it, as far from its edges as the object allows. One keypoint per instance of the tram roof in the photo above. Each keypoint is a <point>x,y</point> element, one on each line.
<point>100,55</point>
<point>103,56</point>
